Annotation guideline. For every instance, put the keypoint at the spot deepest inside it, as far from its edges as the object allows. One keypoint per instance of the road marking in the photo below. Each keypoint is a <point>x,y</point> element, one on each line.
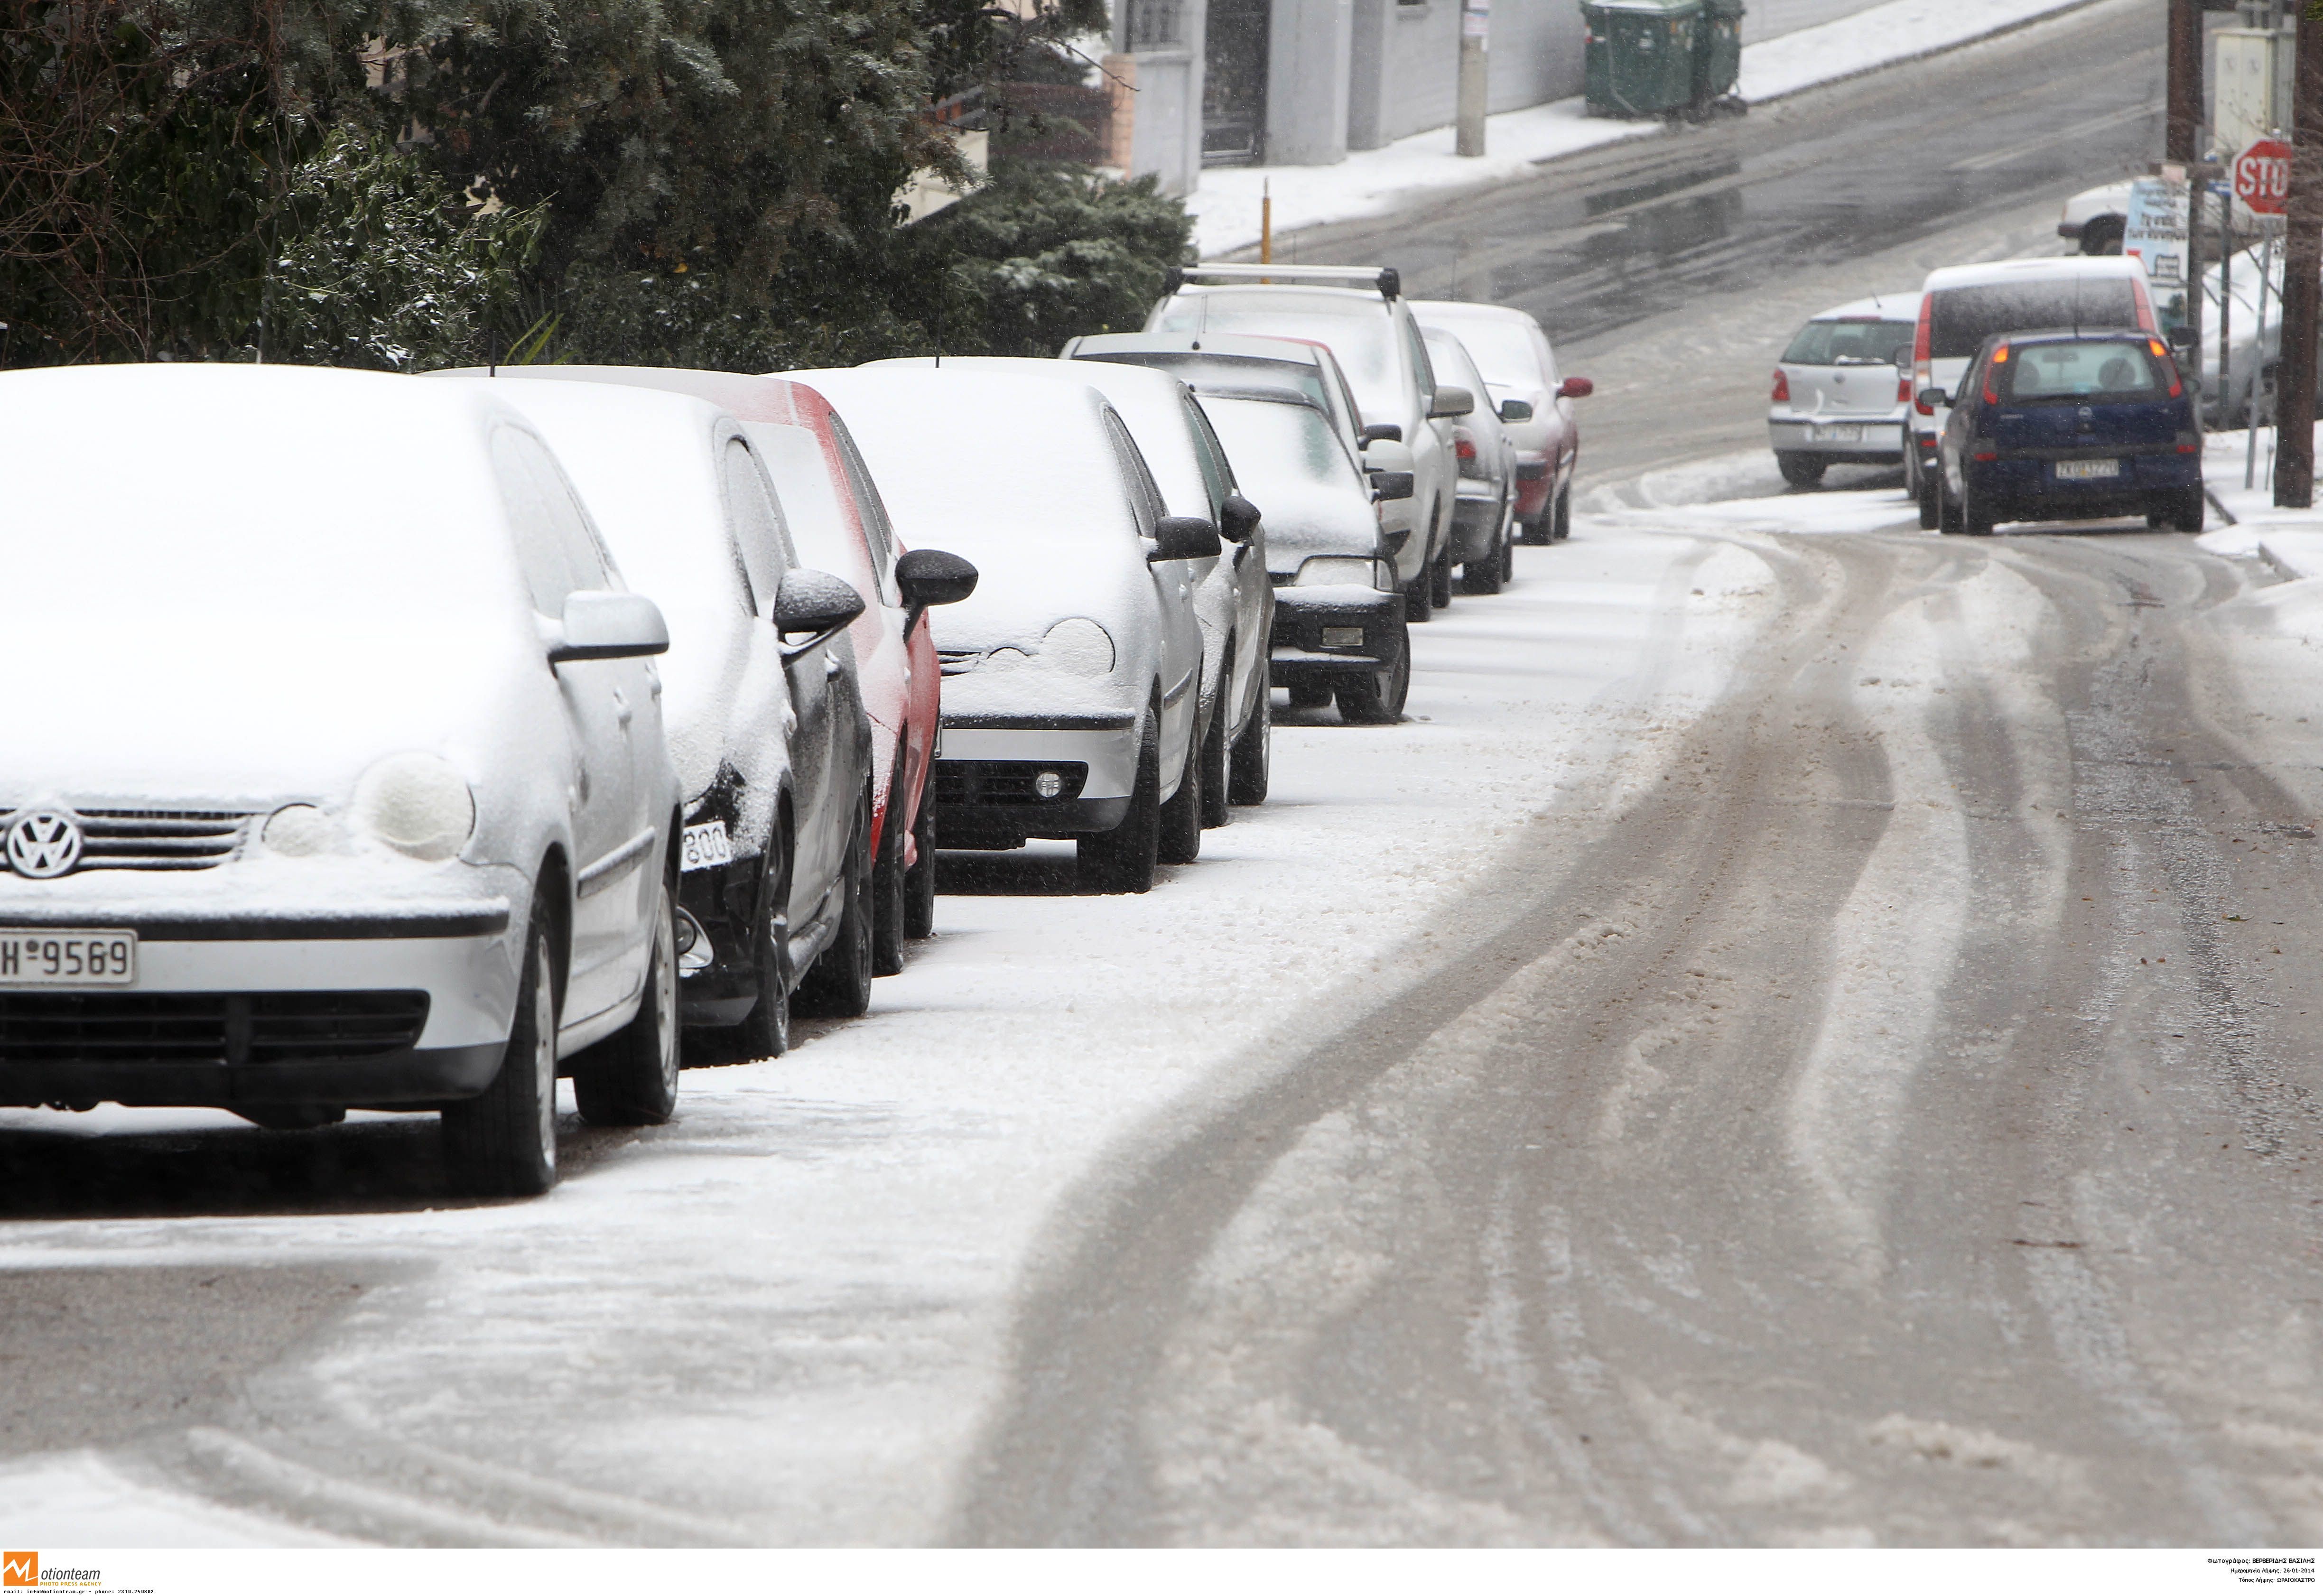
<point>1986,163</point>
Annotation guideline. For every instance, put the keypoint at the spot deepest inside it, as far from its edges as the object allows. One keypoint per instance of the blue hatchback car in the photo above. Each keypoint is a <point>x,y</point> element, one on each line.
<point>2070,426</point>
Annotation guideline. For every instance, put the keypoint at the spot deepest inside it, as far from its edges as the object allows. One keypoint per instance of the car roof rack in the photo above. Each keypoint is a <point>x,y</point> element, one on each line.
<point>1386,278</point>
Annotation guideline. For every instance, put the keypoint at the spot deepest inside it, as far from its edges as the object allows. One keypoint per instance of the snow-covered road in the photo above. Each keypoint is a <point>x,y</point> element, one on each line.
<point>786,1316</point>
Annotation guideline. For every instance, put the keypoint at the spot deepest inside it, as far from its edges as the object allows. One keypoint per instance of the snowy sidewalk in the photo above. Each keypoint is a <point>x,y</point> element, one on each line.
<point>2291,540</point>
<point>1374,182</point>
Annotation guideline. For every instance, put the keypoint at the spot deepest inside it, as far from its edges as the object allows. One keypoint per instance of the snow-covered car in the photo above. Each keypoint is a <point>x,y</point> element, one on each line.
<point>1232,598</point>
<point>1072,676</point>
<point>358,796</point>
<point>1225,360</point>
<point>1962,306</point>
<point>1340,625</point>
<point>2096,218</point>
<point>835,522</point>
<point>1841,394</point>
<point>1372,333</point>
<point>767,728</point>
<point>1533,400</point>
<point>1483,517</point>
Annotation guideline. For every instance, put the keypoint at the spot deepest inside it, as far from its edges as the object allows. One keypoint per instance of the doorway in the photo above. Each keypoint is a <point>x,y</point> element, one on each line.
<point>1234,89</point>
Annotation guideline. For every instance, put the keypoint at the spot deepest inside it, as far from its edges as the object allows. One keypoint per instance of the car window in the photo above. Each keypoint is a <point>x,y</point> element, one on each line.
<point>1146,498</point>
<point>1362,335</point>
<point>2061,373</point>
<point>1454,352</point>
<point>556,545</point>
<point>1508,354</point>
<point>1275,442</point>
<point>1217,475</point>
<point>755,519</point>
<point>878,531</point>
<point>1962,318</point>
<point>1853,342</point>
<point>1222,370</point>
<point>1421,366</point>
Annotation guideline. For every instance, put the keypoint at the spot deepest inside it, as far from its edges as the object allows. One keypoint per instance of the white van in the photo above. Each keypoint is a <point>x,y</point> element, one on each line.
<point>1962,306</point>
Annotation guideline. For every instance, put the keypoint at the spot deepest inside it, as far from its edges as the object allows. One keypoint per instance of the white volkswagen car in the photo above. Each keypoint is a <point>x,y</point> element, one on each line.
<point>1072,675</point>
<point>358,796</point>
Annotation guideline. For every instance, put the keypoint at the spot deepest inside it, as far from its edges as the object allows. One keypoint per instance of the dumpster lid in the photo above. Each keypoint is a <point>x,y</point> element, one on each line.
<point>1655,7</point>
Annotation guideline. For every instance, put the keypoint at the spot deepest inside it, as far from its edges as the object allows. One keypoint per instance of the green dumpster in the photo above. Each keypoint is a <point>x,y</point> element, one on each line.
<point>1639,55</point>
<point>1718,50</point>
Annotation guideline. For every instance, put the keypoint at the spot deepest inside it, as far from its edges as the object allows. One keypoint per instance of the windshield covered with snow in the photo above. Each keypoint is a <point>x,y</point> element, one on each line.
<point>1964,317</point>
<point>1364,338</point>
<point>1269,440</point>
<point>1503,350</point>
<point>1859,342</point>
<point>1226,370</point>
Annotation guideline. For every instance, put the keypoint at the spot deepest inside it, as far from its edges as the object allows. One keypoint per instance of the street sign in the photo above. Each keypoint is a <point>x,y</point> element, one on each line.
<point>2156,231</point>
<point>2262,176</point>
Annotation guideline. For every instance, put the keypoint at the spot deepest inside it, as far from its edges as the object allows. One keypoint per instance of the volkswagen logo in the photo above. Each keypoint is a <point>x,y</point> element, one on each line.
<point>43,844</point>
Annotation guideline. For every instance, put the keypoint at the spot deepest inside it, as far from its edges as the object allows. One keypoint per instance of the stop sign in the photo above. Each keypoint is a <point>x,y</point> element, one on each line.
<point>2262,176</point>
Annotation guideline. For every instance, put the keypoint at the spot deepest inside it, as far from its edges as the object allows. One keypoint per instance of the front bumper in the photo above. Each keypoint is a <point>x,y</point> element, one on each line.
<point>226,1014</point>
<point>1878,440</point>
<point>985,789</point>
<point>1325,632</point>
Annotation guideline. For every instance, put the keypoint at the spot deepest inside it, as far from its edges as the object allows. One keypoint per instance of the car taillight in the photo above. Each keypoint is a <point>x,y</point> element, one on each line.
<point>1999,359</point>
<point>2177,387</point>
<point>1464,448</point>
<point>2144,304</point>
<point>1987,458</point>
<point>1903,390</point>
<point>1782,386</point>
<point>1923,343</point>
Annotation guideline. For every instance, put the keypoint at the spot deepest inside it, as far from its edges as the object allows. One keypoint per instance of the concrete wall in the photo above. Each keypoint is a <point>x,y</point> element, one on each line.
<point>1157,100</point>
<point>1309,48</point>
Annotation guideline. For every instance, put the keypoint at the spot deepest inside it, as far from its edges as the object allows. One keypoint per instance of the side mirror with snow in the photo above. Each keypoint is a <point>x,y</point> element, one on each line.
<point>1516,410</point>
<point>1933,398</point>
<point>811,607</point>
<point>600,624</point>
<point>1184,537</point>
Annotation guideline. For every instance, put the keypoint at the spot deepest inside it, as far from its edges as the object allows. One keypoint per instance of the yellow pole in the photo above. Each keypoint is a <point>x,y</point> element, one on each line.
<point>1266,224</point>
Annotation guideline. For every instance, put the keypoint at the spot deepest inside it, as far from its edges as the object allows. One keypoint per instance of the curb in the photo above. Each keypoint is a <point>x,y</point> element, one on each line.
<point>1933,50</point>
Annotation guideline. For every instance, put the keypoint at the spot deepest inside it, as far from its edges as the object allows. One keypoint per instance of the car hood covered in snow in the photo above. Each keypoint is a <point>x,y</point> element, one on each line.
<point>230,587</point>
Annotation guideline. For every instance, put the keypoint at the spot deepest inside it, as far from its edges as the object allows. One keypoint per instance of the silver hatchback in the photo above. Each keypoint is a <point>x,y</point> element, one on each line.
<point>1839,395</point>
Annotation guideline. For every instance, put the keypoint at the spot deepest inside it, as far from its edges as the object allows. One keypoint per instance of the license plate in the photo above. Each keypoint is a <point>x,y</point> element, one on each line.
<point>703,846</point>
<point>1847,432</point>
<point>67,958</point>
<point>1343,637</point>
<point>2087,471</point>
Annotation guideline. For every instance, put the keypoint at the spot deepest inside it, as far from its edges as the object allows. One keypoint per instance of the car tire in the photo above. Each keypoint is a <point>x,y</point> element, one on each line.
<point>919,880</point>
<point>1377,698</point>
<point>887,888</point>
<point>1507,562</point>
<point>1309,694</point>
<point>1800,471</point>
<point>2103,235</point>
<point>630,1078</point>
<point>1564,532</point>
<point>1122,860</point>
<point>1417,606</point>
<point>764,1032</point>
<point>1539,531</point>
<point>1216,810</point>
<point>2190,511</point>
<point>1948,509</point>
<point>503,1142</point>
<point>1484,577</point>
<point>1975,516</point>
<point>1439,581</point>
<point>1931,509</point>
<point>838,985</point>
<point>1180,838</point>
<point>1252,769</point>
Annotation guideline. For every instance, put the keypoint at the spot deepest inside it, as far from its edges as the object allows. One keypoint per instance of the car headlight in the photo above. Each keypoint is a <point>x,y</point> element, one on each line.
<point>1080,647</point>
<point>301,831</point>
<point>417,804</point>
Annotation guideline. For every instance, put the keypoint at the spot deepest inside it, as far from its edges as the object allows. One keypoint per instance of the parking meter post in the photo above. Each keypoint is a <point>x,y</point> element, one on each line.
<point>2258,360</point>
<point>2226,299</point>
<point>1475,76</point>
<point>2302,278</point>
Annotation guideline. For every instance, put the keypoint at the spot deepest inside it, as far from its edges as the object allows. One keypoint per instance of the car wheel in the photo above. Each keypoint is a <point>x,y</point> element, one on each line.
<point>1563,531</point>
<point>1215,809</point>
<point>765,1032</point>
<point>838,985</point>
<point>1377,697</point>
<point>1801,470</point>
<point>887,890</point>
<point>1483,576</point>
<point>1253,753</point>
<point>1309,694</point>
<point>2191,511</point>
<point>919,880</point>
<point>1180,841</point>
<point>503,1143</point>
<point>1439,581</point>
<point>1931,509</point>
<point>1121,861</point>
<point>1418,607</point>
<point>630,1078</point>
<point>1540,530</point>
<point>1507,562</point>
<point>1975,516</point>
<point>1948,509</point>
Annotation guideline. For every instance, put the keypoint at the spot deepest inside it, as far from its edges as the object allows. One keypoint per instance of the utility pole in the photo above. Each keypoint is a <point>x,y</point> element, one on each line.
<point>1475,76</point>
<point>2303,275</point>
<point>2181,142</point>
